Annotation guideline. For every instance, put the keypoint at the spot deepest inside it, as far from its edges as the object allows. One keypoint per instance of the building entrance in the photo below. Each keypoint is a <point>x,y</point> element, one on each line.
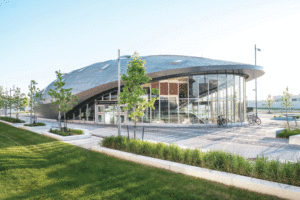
<point>108,114</point>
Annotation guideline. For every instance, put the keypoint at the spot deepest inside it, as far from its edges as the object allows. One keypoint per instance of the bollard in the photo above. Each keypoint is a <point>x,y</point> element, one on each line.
<point>143,135</point>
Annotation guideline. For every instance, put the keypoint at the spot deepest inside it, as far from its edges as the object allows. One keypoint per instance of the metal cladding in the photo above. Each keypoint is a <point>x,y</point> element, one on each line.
<point>97,78</point>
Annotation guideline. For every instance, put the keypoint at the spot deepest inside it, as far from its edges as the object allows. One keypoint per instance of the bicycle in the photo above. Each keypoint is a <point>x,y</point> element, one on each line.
<point>249,118</point>
<point>221,121</point>
<point>256,119</point>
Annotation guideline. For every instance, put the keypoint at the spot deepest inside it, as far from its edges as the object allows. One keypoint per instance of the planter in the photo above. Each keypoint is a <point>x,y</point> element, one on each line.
<point>70,137</point>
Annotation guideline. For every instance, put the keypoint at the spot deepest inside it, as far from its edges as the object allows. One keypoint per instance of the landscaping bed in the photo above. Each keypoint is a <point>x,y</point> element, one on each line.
<point>287,133</point>
<point>12,120</point>
<point>36,124</point>
<point>67,133</point>
<point>288,173</point>
<point>36,167</point>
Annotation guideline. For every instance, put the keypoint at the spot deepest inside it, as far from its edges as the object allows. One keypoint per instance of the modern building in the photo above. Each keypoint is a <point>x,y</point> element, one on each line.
<point>193,90</point>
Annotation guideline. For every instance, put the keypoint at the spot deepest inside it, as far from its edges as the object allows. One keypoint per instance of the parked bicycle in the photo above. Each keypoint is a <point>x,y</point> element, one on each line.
<point>253,119</point>
<point>256,119</point>
<point>221,121</point>
<point>249,118</point>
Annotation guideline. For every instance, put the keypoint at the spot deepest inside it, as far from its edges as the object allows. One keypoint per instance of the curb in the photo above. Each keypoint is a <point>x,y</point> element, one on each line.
<point>295,140</point>
<point>66,138</point>
<point>5,122</point>
<point>244,182</point>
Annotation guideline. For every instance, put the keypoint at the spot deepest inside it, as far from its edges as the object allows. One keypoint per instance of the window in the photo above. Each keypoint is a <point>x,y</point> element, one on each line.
<point>104,67</point>
<point>176,62</point>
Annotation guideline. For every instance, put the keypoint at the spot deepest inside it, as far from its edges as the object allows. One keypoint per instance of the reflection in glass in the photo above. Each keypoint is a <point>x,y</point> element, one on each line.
<point>183,111</point>
<point>195,99</point>
<point>173,101</point>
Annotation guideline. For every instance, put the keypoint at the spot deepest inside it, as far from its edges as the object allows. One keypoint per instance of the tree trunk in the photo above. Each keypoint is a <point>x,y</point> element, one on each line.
<point>287,120</point>
<point>134,130</point>
<point>17,115</point>
<point>65,121</point>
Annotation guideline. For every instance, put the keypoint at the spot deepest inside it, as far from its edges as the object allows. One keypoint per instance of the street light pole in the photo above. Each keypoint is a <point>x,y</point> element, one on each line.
<point>119,91</point>
<point>256,49</point>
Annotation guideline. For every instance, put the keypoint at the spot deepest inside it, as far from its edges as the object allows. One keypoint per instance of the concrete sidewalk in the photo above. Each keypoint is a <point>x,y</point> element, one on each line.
<point>247,141</point>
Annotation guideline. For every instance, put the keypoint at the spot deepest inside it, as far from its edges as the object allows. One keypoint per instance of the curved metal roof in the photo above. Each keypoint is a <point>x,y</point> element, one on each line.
<point>157,67</point>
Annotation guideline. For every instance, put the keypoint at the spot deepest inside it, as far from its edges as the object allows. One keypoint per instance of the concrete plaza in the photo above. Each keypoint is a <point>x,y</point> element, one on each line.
<point>248,141</point>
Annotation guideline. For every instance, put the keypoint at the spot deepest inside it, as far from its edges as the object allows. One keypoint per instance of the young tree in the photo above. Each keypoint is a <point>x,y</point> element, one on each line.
<point>133,91</point>
<point>18,101</point>
<point>286,103</point>
<point>3,100</point>
<point>269,102</point>
<point>35,96</point>
<point>62,97</point>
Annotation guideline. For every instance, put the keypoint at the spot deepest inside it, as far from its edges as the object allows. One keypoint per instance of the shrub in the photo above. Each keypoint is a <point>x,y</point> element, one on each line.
<point>274,116</point>
<point>287,133</point>
<point>12,120</point>
<point>288,173</point>
<point>67,133</point>
<point>36,124</point>
<point>260,166</point>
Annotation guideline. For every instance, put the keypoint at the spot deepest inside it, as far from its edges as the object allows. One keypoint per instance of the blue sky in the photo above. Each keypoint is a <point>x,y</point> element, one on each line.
<point>39,37</point>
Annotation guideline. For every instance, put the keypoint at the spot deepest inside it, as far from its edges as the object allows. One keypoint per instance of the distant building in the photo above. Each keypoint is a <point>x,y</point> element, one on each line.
<point>295,99</point>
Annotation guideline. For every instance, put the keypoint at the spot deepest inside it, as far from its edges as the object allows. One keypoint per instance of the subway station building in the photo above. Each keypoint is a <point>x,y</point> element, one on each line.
<point>193,90</point>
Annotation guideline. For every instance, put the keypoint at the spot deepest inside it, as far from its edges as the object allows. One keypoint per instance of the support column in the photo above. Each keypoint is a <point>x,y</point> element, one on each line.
<point>154,102</point>
<point>188,97</point>
<point>79,113</point>
<point>169,101</point>
<point>240,99</point>
<point>159,101</point>
<point>178,101</point>
<point>226,99</point>
<point>218,95</point>
<point>244,99</point>
<point>208,106</point>
<point>96,113</point>
<point>86,113</point>
<point>234,97</point>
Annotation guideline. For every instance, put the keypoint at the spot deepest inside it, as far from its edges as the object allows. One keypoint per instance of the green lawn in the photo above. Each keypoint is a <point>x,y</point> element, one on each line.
<point>36,167</point>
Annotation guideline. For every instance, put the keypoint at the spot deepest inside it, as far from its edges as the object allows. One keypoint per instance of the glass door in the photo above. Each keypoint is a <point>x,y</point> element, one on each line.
<point>101,114</point>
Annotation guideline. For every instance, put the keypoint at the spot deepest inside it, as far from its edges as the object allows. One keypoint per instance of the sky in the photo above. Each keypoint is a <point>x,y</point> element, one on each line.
<point>38,38</point>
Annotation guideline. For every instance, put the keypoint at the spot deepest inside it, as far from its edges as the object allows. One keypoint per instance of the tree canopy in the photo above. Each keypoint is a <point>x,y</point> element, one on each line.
<point>133,92</point>
<point>62,97</point>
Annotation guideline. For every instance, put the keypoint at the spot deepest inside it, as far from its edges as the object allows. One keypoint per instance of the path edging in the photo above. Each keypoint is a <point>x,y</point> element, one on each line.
<point>244,182</point>
<point>68,138</point>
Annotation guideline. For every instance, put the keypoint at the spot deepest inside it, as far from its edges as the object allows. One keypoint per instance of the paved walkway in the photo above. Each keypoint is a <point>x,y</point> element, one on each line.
<point>248,141</point>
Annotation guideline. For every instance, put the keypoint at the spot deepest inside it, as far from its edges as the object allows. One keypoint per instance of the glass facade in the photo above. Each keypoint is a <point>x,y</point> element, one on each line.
<point>196,99</point>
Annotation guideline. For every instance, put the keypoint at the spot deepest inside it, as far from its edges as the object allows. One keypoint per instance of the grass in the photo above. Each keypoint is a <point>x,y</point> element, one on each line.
<point>36,167</point>
<point>36,124</point>
<point>12,120</point>
<point>68,132</point>
<point>287,133</point>
<point>288,173</point>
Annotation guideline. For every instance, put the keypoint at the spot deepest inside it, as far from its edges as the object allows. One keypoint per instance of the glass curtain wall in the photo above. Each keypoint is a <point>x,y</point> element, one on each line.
<point>197,99</point>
